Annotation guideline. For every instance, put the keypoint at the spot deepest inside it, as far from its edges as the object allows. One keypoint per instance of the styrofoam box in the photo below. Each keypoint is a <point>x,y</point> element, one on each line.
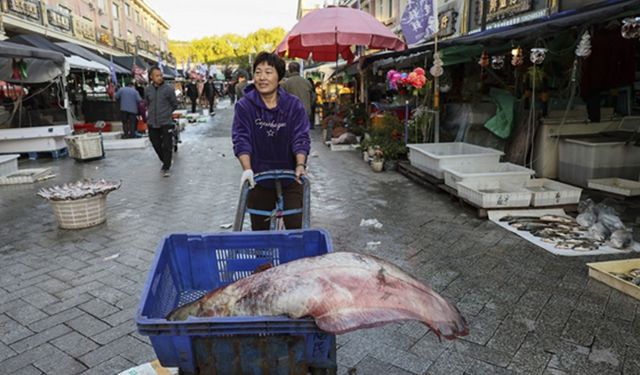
<point>34,139</point>
<point>618,186</point>
<point>8,164</point>
<point>504,172</point>
<point>548,192</point>
<point>581,160</point>
<point>494,194</point>
<point>434,157</point>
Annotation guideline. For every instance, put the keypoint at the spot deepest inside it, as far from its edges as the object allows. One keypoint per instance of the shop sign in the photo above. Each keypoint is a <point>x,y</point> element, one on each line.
<point>501,9</point>
<point>119,43</point>
<point>59,20</point>
<point>447,22</point>
<point>519,19</point>
<point>130,47</point>
<point>28,8</point>
<point>84,29</point>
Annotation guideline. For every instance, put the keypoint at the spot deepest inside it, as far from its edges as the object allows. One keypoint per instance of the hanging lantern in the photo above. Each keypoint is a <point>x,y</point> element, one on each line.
<point>584,47</point>
<point>436,70</point>
<point>497,62</point>
<point>537,55</point>
<point>631,28</point>
<point>516,56</point>
<point>484,59</point>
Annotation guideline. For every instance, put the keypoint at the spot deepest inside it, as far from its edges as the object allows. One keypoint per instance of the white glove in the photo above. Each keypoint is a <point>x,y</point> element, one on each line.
<point>247,176</point>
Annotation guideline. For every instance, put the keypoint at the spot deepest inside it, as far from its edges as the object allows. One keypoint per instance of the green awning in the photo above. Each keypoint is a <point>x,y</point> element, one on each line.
<point>460,54</point>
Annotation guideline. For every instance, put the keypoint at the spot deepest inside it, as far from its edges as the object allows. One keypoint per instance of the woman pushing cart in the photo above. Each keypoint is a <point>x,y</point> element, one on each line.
<point>271,133</point>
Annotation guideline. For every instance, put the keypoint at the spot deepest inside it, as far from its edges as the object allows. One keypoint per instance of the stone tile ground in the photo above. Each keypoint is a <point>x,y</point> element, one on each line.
<point>68,298</point>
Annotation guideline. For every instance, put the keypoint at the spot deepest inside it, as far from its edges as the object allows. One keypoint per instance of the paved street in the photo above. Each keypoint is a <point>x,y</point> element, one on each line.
<point>68,298</point>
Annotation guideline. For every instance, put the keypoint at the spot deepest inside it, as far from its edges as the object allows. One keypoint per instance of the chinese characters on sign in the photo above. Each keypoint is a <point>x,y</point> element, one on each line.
<point>26,8</point>
<point>419,21</point>
<point>500,9</point>
<point>447,23</point>
<point>59,20</point>
<point>84,29</point>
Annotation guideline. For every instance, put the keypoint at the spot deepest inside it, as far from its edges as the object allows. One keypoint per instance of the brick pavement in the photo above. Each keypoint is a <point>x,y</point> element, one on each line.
<point>67,298</point>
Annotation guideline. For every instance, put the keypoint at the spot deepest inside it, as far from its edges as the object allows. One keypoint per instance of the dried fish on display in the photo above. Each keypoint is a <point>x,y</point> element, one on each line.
<point>633,276</point>
<point>562,232</point>
<point>79,189</point>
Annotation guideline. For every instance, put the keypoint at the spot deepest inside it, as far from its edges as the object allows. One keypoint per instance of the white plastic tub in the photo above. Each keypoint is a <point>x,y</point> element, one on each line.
<point>8,164</point>
<point>434,157</point>
<point>618,186</point>
<point>595,157</point>
<point>502,172</point>
<point>552,193</point>
<point>494,194</point>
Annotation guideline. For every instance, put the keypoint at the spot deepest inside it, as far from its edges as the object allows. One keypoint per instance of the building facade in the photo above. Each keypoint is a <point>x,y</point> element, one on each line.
<point>389,12</point>
<point>117,27</point>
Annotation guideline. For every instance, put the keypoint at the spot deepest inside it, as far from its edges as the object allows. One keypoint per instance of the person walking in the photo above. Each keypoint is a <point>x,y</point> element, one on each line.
<point>296,85</point>
<point>160,99</point>
<point>271,131</point>
<point>192,93</point>
<point>129,100</point>
<point>241,85</point>
<point>210,94</point>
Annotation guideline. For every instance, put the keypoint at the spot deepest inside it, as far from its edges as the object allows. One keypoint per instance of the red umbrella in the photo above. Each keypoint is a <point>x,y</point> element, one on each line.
<point>327,32</point>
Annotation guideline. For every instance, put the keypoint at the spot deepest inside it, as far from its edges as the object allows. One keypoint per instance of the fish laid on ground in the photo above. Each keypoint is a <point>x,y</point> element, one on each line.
<point>341,291</point>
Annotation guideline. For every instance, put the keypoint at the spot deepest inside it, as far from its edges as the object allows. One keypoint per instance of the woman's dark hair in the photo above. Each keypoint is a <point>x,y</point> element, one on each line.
<point>272,60</point>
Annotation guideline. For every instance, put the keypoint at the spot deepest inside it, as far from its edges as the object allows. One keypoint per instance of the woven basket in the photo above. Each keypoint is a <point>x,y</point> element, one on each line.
<point>80,213</point>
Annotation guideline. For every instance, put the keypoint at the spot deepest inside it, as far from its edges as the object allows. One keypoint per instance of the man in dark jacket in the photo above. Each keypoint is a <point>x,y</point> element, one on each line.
<point>192,93</point>
<point>210,93</point>
<point>241,85</point>
<point>297,86</point>
<point>161,101</point>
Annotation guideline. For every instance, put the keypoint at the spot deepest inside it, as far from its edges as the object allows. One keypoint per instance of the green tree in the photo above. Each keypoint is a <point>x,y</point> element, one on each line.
<point>230,49</point>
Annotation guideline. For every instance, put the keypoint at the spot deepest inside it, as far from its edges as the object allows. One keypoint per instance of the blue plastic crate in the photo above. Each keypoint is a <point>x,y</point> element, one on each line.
<point>187,266</point>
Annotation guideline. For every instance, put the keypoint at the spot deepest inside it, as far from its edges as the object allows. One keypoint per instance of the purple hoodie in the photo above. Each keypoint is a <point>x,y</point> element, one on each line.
<point>272,137</point>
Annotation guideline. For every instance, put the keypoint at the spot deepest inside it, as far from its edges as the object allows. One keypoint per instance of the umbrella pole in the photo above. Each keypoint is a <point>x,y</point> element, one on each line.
<point>335,84</point>
<point>436,102</point>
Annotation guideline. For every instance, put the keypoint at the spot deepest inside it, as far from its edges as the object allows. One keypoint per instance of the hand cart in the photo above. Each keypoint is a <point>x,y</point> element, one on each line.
<point>187,266</point>
<point>278,213</point>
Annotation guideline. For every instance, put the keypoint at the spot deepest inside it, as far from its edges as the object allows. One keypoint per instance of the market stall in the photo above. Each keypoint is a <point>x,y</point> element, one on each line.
<point>40,115</point>
<point>93,95</point>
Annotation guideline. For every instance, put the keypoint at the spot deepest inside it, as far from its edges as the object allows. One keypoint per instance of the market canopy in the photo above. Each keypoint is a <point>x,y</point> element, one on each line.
<point>88,55</point>
<point>41,65</point>
<point>128,61</point>
<point>168,72</point>
<point>329,32</point>
<point>77,62</point>
<point>38,41</point>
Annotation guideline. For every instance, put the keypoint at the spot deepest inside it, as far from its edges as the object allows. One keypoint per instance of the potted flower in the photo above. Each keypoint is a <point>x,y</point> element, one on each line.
<point>377,163</point>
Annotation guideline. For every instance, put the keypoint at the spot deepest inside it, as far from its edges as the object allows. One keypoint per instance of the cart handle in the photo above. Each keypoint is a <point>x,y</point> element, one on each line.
<point>275,175</point>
